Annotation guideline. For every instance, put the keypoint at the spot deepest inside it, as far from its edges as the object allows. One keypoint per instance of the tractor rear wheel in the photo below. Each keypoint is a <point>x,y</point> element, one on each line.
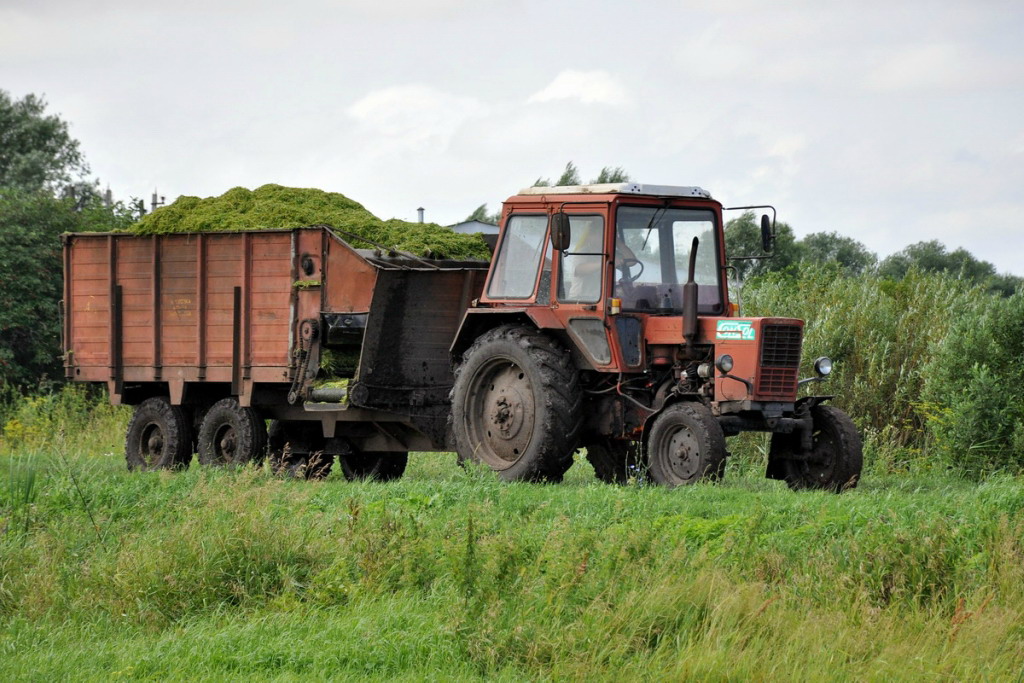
<point>517,405</point>
<point>614,461</point>
<point>231,435</point>
<point>159,436</point>
<point>374,466</point>
<point>835,461</point>
<point>686,445</point>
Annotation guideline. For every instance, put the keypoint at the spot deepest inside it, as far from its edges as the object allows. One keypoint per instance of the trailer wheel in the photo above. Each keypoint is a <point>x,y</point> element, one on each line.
<point>614,461</point>
<point>297,451</point>
<point>231,435</point>
<point>686,445</point>
<point>517,405</point>
<point>159,436</point>
<point>382,466</point>
<point>836,460</point>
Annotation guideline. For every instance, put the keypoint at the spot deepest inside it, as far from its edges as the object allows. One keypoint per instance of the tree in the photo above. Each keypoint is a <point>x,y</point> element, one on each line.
<point>611,175</point>
<point>932,256</point>
<point>43,193</point>
<point>570,176</point>
<point>743,239</point>
<point>831,247</point>
<point>36,150</point>
<point>484,216</point>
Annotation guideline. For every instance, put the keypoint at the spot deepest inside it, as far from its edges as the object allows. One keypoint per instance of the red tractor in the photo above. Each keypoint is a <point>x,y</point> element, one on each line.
<point>605,322</point>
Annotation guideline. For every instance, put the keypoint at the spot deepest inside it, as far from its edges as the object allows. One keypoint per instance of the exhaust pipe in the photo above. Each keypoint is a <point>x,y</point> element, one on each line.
<point>690,300</point>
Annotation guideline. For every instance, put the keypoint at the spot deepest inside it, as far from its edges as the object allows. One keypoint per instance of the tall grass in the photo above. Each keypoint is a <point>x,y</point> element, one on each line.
<point>450,574</point>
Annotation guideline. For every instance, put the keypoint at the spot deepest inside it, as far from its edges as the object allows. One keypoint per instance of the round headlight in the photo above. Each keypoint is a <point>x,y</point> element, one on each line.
<point>823,366</point>
<point>724,363</point>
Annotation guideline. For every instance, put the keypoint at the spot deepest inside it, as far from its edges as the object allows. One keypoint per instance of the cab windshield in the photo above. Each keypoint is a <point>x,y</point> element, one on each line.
<point>652,255</point>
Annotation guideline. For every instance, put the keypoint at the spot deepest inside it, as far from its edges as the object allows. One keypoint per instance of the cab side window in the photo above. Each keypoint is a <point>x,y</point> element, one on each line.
<point>581,264</point>
<point>515,268</point>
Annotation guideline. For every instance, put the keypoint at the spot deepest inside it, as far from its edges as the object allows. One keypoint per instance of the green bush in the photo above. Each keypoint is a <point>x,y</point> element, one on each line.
<point>974,390</point>
<point>880,334</point>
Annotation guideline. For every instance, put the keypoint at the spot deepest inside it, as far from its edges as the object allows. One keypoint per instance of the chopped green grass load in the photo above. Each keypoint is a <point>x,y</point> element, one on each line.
<point>275,206</point>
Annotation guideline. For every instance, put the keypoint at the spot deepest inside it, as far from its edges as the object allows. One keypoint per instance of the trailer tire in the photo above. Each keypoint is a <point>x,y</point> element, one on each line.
<point>837,452</point>
<point>159,436</point>
<point>614,461</point>
<point>517,405</point>
<point>686,445</point>
<point>231,435</point>
<point>373,466</point>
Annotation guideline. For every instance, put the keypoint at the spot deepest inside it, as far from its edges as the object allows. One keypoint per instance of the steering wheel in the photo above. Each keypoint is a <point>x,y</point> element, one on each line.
<point>625,264</point>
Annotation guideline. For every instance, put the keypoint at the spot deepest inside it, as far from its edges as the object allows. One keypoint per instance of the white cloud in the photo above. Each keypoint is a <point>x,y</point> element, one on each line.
<point>589,87</point>
<point>941,67</point>
<point>413,117</point>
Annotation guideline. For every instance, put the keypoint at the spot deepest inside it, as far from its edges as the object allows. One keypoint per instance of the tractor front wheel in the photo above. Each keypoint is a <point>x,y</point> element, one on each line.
<point>835,461</point>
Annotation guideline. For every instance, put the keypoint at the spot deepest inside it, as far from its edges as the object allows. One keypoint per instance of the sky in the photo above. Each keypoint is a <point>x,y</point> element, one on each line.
<point>890,122</point>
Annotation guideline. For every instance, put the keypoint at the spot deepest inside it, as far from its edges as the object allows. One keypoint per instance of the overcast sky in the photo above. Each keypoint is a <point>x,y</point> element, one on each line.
<point>891,122</point>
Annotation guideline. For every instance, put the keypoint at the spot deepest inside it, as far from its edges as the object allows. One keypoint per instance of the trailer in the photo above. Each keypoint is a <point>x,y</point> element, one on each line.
<point>208,334</point>
<point>602,322</point>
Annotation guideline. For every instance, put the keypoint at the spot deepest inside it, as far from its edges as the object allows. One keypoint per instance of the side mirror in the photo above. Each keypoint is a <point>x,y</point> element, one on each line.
<point>767,235</point>
<point>560,231</point>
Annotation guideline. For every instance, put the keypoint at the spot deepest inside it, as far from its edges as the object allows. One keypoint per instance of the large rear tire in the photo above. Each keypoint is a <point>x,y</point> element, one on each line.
<point>836,460</point>
<point>231,435</point>
<point>159,436</point>
<point>686,445</point>
<point>517,405</point>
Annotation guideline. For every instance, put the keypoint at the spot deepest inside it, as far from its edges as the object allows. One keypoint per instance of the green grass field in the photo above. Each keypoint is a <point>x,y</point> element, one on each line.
<point>451,574</point>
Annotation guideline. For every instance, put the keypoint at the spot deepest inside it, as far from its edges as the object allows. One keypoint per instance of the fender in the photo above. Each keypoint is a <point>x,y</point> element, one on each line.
<point>476,321</point>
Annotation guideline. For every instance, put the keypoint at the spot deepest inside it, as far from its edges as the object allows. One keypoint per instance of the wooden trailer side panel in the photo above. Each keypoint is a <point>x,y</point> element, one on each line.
<point>179,308</point>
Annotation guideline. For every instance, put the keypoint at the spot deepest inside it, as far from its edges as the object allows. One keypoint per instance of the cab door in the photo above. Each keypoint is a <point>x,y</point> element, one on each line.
<point>582,275</point>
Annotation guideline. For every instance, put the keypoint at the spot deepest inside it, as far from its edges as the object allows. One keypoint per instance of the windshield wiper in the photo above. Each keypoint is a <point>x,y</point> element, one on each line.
<point>650,225</point>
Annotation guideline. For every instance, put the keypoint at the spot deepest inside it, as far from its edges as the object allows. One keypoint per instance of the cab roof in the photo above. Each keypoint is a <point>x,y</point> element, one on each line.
<point>620,188</point>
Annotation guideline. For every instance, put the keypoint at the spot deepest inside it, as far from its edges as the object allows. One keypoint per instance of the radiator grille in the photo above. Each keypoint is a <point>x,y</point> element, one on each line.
<point>780,362</point>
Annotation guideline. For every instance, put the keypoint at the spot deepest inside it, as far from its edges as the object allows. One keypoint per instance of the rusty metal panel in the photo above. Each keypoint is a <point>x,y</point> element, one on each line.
<point>351,280</point>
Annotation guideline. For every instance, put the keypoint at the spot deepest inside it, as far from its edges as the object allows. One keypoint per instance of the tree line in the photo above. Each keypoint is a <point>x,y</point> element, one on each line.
<point>46,189</point>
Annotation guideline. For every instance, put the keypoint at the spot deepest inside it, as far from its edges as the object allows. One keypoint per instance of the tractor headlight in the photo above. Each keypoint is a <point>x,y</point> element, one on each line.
<point>724,363</point>
<point>823,366</point>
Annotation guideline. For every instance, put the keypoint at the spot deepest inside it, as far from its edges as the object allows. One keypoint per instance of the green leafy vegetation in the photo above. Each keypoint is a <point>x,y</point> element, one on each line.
<point>278,207</point>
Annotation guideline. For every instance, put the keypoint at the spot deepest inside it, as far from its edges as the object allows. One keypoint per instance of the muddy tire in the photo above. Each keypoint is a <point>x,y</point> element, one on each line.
<point>614,461</point>
<point>517,405</point>
<point>686,445</point>
<point>159,436</point>
<point>836,459</point>
<point>373,466</point>
<point>231,435</point>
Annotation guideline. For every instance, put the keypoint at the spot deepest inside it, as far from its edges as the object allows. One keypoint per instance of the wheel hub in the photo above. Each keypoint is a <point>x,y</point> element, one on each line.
<point>227,443</point>
<point>684,454</point>
<point>505,404</point>
<point>152,443</point>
